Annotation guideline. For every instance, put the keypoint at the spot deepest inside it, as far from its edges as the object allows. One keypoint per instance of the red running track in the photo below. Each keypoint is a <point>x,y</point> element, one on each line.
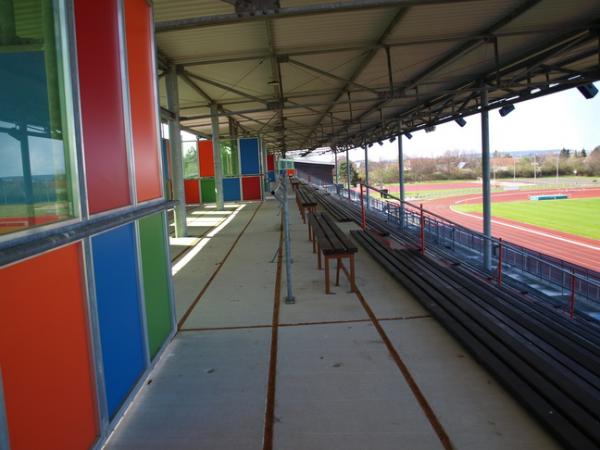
<point>579,250</point>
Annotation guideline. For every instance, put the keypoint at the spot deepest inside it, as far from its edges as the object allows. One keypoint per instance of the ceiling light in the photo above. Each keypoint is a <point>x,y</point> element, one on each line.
<point>408,135</point>
<point>461,121</point>
<point>588,90</point>
<point>507,109</point>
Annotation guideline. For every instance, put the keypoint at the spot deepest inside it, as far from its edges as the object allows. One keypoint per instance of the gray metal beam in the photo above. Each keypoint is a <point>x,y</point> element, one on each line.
<point>364,62</point>
<point>217,157</point>
<point>486,182</point>
<point>226,88</point>
<point>323,8</point>
<point>176,153</point>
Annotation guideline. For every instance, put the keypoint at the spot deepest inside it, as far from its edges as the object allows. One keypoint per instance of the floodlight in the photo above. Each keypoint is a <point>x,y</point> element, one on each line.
<point>393,138</point>
<point>430,129</point>
<point>380,142</point>
<point>588,90</point>
<point>461,121</point>
<point>506,109</point>
<point>408,135</point>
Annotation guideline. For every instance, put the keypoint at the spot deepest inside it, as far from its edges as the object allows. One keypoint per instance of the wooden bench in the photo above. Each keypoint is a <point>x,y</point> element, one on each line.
<point>334,244</point>
<point>306,202</point>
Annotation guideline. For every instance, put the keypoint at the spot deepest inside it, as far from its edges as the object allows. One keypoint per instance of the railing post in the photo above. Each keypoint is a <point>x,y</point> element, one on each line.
<point>422,235</point>
<point>363,214</point>
<point>572,300</point>
<point>500,262</point>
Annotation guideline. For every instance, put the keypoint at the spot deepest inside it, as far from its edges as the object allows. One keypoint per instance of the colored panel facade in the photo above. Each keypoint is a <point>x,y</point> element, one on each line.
<point>45,353</point>
<point>231,189</point>
<point>270,162</point>
<point>271,176</point>
<point>192,191</point>
<point>251,188</point>
<point>103,125</point>
<point>119,314</point>
<point>250,156</point>
<point>156,281</point>
<point>207,187</point>
<point>207,161</point>
<point>142,97</point>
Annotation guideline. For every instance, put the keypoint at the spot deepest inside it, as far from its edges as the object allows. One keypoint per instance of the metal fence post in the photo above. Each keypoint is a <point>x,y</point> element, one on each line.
<point>500,262</point>
<point>422,234</point>
<point>573,294</point>
<point>363,215</point>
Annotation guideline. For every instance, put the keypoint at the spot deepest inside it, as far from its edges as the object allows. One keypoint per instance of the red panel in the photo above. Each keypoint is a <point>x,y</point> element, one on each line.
<point>251,188</point>
<point>101,104</point>
<point>142,95</point>
<point>45,354</point>
<point>291,172</point>
<point>192,191</point>
<point>270,162</point>
<point>207,162</point>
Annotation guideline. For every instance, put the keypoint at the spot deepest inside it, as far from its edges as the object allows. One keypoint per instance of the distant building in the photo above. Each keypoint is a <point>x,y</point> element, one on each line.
<point>316,172</point>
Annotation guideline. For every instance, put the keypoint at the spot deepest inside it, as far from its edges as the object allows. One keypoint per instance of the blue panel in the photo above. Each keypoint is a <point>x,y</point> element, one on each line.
<point>249,156</point>
<point>118,299</point>
<point>271,176</point>
<point>231,189</point>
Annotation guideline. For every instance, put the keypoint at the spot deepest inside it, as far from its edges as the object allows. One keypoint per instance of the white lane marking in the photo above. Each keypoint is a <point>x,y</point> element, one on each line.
<point>528,230</point>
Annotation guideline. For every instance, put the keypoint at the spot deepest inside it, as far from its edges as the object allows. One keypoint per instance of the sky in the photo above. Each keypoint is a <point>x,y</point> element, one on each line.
<point>565,119</point>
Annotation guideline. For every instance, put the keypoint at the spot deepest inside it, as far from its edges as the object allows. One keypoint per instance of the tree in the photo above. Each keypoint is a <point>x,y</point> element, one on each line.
<point>343,171</point>
<point>583,153</point>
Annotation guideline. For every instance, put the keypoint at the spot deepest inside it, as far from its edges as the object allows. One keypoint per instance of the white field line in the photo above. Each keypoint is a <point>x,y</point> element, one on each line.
<point>528,230</point>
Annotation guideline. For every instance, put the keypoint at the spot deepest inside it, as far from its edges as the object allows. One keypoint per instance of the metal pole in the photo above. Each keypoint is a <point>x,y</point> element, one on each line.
<point>367,175</point>
<point>486,185</point>
<point>572,299</point>
<point>288,255</point>
<point>336,169</point>
<point>363,214</point>
<point>348,171</point>
<point>214,113</point>
<point>176,157</point>
<point>500,261</point>
<point>422,231</point>
<point>401,173</point>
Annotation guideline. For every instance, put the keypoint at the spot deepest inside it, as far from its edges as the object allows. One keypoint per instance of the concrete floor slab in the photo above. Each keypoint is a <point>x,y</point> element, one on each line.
<point>337,387</point>
<point>207,392</point>
<point>475,410</point>
<point>242,294</point>
<point>189,281</point>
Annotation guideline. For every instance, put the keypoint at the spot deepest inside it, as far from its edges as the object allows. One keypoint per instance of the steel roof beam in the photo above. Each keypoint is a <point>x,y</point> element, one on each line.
<point>323,8</point>
<point>461,49</point>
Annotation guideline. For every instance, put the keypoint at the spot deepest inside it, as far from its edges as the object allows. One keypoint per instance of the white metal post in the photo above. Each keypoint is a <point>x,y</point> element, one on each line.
<point>176,157</point>
<point>486,185</point>
<point>214,113</point>
<point>401,173</point>
<point>367,175</point>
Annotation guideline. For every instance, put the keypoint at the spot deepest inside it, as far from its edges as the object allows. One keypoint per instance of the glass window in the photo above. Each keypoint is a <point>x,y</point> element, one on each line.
<point>190,159</point>
<point>35,179</point>
<point>229,158</point>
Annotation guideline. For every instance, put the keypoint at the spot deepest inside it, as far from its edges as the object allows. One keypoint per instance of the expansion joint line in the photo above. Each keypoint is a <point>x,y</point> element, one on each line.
<point>271,383</point>
<point>414,387</point>
<point>213,276</point>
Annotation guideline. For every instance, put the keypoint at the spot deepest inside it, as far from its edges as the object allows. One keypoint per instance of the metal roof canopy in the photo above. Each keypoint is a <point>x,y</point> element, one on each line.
<point>305,74</point>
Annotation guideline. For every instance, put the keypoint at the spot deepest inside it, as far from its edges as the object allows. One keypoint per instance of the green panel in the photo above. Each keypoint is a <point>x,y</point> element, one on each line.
<point>207,187</point>
<point>230,158</point>
<point>156,283</point>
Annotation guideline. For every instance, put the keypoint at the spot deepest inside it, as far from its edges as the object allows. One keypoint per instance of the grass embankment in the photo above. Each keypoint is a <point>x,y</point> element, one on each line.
<point>578,216</point>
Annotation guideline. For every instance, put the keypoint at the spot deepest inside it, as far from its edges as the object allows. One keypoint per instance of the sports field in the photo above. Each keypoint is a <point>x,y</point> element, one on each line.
<point>578,216</point>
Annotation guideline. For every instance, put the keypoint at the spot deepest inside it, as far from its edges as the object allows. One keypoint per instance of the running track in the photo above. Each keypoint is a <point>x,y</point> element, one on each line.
<point>576,249</point>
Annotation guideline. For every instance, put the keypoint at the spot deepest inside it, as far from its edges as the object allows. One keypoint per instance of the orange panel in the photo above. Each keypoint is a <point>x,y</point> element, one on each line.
<point>45,355</point>
<point>207,162</point>
<point>144,112</point>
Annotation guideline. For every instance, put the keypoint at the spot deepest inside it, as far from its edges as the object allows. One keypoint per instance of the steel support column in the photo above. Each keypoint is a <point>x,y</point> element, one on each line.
<point>336,169</point>
<point>486,185</point>
<point>4,441</point>
<point>401,174</point>
<point>367,174</point>
<point>176,156</point>
<point>214,112</point>
<point>348,171</point>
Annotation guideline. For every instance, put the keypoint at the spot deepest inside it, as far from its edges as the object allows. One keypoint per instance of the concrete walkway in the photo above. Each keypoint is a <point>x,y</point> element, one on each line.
<point>341,379</point>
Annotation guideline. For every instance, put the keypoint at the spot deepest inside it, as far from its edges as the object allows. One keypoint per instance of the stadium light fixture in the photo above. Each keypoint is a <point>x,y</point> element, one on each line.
<point>408,135</point>
<point>392,139</point>
<point>430,129</point>
<point>588,90</point>
<point>461,121</point>
<point>506,109</point>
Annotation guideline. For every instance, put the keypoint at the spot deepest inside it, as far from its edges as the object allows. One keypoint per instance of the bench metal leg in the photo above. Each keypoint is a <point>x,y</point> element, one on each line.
<point>327,275</point>
<point>352,279</point>
<point>319,255</point>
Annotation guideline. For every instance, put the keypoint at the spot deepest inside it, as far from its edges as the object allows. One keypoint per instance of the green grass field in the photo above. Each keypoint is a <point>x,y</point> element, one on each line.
<point>579,216</point>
